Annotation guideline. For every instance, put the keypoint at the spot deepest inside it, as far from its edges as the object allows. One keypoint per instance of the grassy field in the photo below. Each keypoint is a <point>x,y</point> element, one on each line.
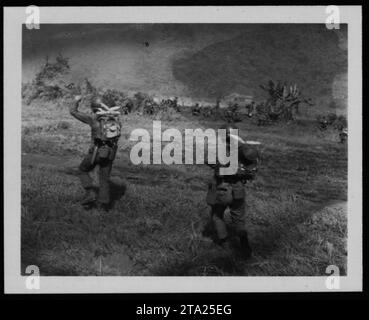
<point>296,208</point>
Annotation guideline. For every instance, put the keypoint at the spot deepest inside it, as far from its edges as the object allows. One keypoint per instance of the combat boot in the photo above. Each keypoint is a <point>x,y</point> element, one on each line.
<point>245,246</point>
<point>89,198</point>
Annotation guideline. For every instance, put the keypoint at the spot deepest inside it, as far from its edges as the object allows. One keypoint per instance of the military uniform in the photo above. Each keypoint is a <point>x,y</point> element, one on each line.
<point>229,191</point>
<point>100,153</point>
<point>196,110</point>
<point>343,135</point>
<point>223,194</point>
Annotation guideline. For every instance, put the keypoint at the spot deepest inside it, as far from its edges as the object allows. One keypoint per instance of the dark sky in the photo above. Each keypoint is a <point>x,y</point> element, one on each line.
<point>192,59</point>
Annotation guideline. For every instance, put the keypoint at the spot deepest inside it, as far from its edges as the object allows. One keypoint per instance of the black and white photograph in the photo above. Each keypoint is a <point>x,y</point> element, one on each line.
<point>155,150</point>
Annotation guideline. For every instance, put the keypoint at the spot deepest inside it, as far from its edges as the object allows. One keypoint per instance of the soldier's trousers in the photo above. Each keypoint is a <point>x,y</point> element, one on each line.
<point>220,197</point>
<point>105,162</point>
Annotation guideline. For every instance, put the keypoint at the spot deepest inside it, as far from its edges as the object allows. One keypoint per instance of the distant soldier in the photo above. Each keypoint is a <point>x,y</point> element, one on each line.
<point>217,104</point>
<point>128,107</point>
<point>343,135</point>
<point>196,110</point>
<point>229,191</point>
<point>176,105</point>
<point>105,132</point>
<point>250,108</point>
<point>323,123</point>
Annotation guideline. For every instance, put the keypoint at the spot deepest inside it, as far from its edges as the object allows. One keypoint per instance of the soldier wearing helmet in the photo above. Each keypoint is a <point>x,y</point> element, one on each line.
<point>101,152</point>
<point>228,191</point>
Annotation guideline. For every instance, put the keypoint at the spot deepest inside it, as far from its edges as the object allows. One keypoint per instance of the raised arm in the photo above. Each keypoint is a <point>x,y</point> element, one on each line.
<point>81,116</point>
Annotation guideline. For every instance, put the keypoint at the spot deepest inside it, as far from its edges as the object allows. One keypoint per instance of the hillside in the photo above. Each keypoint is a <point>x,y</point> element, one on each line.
<point>124,57</point>
<point>199,61</point>
<point>311,58</point>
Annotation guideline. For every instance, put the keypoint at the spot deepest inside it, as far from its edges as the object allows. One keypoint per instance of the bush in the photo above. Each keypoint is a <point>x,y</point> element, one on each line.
<point>332,117</point>
<point>341,122</point>
<point>50,71</point>
<point>114,98</point>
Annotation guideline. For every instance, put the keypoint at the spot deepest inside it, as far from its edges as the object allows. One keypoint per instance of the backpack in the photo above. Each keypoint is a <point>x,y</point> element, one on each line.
<point>110,127</point>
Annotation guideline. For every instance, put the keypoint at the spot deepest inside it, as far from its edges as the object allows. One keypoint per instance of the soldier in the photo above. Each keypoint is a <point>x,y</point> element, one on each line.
<point>196,110</point>
<point>129,106</point>
<point>229,191</point>
<point>228,115</point>
<point>105,133</point>
<point>323,123</point>
<point>175,105</point>
<point>148,107</point>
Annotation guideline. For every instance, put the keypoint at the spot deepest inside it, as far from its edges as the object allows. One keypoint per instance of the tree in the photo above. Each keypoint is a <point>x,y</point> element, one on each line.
<point>283,100</point>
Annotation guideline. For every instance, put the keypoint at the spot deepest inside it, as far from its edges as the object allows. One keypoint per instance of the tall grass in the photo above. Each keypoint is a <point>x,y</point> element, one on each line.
<point>155,228</point>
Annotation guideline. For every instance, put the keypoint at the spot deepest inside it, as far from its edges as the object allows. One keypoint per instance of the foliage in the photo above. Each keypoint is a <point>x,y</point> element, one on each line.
<point>158,221</point>
<point>283,102</point>
<point>51,70</point>
<point>112,97</point>
<point>331,120</point>
<point>47,84</point>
